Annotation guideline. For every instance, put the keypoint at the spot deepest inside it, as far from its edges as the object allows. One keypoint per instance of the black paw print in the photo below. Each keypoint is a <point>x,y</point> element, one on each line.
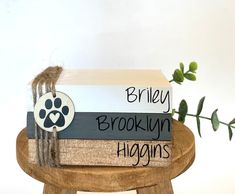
<point>53,114</point>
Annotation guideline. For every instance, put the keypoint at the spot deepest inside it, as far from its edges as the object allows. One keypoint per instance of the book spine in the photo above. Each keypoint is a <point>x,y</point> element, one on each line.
<point>90,98</point>
<point>115,126</point>
<point>110,152</point>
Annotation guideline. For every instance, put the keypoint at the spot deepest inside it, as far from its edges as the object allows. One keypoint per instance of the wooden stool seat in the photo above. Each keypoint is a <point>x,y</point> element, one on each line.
<point>146,180</point>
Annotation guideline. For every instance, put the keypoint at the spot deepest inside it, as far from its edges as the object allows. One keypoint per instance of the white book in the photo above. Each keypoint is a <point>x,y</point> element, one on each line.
<point>139,91</point>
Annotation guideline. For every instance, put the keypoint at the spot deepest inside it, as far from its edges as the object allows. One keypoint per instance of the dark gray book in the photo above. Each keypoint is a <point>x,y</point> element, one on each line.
<point>113,126</point>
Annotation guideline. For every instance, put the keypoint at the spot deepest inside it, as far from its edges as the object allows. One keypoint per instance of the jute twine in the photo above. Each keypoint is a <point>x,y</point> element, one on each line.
<point>47,146</point>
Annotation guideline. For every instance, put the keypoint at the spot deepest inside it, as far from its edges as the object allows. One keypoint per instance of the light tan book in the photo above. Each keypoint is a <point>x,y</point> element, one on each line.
<point>110,152</point>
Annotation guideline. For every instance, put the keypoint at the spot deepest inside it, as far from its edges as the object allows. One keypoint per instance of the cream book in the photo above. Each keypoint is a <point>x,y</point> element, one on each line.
<point>139,91</point>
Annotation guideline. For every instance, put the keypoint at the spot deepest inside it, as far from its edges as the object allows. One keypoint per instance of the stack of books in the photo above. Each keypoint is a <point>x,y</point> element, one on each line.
<point>122,118</point>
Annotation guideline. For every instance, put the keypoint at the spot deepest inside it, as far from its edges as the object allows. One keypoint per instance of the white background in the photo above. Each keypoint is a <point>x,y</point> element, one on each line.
<point>123,34</point>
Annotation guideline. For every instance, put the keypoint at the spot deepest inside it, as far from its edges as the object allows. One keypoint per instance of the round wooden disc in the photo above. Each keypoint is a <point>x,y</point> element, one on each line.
<point>110,179</point>
<point>54,111</point>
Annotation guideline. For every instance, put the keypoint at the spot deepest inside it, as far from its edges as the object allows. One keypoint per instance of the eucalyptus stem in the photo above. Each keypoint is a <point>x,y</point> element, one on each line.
<point>178,77</point>
<point>203,117</point>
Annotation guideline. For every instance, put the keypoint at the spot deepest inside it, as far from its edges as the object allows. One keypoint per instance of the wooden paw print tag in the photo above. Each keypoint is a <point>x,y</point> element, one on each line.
<point>54,111</point>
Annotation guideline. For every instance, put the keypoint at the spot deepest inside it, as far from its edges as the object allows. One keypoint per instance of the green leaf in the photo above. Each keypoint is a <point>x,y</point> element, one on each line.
<point>193,67</point>
<point>230,132</point>
<point>178,76</point>
<point>190,76</point>
<point>200,106</point>
<point>182,67</point>
<point>183,109</point>
<point>177,82</point>
<point>232,122</point>
<point>198,126</point>
<point>215,120</point>
<point>173,112</point>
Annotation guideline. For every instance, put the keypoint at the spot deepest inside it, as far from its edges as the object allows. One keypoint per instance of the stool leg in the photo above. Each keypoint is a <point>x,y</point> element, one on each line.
<point>164,187</point>
<point>49,189</point>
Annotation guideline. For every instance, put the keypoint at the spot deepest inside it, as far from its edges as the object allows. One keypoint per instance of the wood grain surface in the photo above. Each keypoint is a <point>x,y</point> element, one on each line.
<point>49,189</point>
<point>111,179</point>
<point>109,152</point>
<point>164,187</point>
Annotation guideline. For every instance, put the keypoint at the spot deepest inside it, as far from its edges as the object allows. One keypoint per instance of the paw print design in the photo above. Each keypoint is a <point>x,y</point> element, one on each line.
<point>50,111</point>
<point>56,113</point>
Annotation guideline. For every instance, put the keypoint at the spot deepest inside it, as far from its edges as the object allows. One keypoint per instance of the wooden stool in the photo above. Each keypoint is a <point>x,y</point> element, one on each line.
<point>146,180</point>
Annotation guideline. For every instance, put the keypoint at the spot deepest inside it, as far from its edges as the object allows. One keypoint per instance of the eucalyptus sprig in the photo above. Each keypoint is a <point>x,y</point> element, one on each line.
<point>182,112</point>
<point>180,74</point>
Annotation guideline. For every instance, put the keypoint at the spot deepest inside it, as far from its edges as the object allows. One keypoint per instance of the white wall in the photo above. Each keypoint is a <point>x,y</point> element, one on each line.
<point>123,34</point>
